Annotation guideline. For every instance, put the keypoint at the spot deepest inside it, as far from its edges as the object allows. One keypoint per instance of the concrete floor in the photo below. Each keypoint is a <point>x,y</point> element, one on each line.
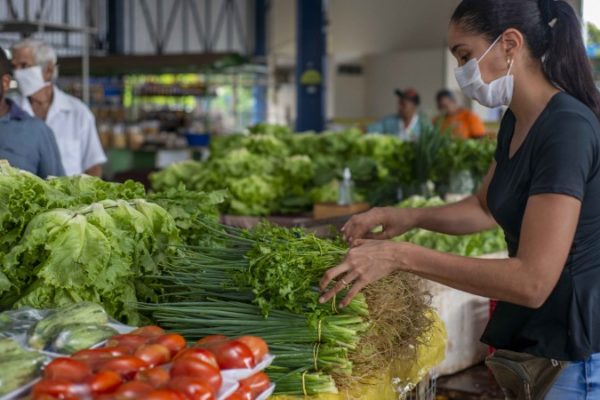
<point>474,383</point>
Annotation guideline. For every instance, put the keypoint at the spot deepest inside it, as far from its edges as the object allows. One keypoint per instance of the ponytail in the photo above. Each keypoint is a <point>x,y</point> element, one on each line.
<point>553,34</point>
<point>566,62</point>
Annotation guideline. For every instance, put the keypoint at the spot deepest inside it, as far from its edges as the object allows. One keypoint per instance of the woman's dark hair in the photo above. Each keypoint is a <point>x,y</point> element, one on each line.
<point>553,34</point>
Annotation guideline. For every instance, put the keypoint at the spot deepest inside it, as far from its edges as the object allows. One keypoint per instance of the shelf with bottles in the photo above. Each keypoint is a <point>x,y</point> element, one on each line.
<point>103,91</point>
<point>137,111</point>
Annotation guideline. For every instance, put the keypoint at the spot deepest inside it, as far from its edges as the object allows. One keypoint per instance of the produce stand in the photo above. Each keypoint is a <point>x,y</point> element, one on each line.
<point>163,256</point>
<point>270,170</point>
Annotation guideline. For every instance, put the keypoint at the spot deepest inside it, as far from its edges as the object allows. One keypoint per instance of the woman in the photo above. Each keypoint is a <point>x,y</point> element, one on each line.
<point>543,189</point>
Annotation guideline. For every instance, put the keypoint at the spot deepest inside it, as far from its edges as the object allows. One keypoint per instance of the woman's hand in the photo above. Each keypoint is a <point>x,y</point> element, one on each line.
<point>394,221</point>
<point>368,261</point>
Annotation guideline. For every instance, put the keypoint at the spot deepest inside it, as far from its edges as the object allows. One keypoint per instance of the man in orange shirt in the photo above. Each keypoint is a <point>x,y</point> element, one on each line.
<point>461,122</point>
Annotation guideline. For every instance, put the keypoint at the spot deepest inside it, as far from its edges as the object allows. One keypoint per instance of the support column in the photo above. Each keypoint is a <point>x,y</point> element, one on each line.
<point>116,26</point>
<point>310,57</point>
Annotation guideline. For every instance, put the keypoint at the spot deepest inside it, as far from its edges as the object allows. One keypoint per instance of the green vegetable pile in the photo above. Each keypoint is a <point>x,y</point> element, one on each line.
<point>274,171</point>
<point>73,239</point>
<point>474,245</point>
<point>101,253</point>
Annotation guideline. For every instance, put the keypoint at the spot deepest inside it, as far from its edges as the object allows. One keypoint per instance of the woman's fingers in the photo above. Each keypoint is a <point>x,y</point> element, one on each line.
<point>332,273</point>
<point>360,242</point>
<point>359,226</point>
<point>340,285</point>
<point>357,287</point>
<point>367,261</point>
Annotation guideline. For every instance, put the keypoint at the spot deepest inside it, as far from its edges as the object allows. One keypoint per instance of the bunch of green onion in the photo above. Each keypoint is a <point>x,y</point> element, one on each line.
<point>263,283</point>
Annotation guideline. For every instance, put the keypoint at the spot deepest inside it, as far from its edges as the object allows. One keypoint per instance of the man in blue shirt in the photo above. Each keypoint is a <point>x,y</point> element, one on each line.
<point>408,123</point>
<point>25,142</point>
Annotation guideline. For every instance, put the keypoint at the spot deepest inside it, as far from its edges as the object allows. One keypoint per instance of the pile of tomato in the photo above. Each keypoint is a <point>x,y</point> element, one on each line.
<point>150,364</point>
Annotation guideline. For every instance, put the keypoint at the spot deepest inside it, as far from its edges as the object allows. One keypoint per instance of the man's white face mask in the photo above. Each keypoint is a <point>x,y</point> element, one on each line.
<point>30,80</point>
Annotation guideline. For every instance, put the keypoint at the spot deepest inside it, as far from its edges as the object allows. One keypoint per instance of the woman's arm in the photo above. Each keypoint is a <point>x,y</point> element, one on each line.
<point>470,215</point>
<point>528,279</point>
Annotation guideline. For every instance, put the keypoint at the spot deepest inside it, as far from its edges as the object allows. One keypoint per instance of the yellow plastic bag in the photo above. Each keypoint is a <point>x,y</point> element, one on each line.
<point>402,375</point>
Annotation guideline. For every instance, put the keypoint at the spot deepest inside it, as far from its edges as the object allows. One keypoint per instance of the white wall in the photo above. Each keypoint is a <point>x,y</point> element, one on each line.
<point>349,96</point>
<point>360,27</point>
<point>423,70</point>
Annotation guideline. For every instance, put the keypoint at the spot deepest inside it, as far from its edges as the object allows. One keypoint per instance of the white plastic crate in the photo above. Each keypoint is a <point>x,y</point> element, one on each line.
<point>425,390</point>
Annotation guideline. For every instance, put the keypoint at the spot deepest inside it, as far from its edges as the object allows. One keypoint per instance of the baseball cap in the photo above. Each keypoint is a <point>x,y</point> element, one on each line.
<point>409,94</point>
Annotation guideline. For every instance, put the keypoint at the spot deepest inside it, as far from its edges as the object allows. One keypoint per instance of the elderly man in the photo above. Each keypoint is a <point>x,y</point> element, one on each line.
<point>408,122</point>
<point>25,142</point>
<point>72,122</point>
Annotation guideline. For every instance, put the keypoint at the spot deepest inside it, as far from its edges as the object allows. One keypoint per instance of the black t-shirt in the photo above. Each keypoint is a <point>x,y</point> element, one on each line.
<point>559,155</point>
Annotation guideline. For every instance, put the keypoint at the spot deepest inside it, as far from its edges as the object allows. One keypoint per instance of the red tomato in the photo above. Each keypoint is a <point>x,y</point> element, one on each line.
<point>58,388</point>
<point>154,376</point>
<point>94,357</point>
<point>131,342</point>
<point>148,331</point>
<point>192,388</point>
<point>175,343</point>
<point>211,339</point>
<point>198,369</point>
<point>44,397</point>
<point>243,393</point>
<point>126,366</point>
<point>104,382</point>
<point>164,394</point>
<point>133,390</point>
<point>198,354</point>
<point>154,354</point>
<point>257,383</point>
<point>67,369</point>
<point>103,352</point>
<point>233,355</point>
<point>257,346</point>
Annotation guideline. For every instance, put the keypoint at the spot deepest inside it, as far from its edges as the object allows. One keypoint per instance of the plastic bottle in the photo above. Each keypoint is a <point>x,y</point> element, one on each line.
<point>346,188</point>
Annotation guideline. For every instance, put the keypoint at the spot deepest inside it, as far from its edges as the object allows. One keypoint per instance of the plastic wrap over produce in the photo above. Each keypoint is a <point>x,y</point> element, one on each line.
<point>30,338</point>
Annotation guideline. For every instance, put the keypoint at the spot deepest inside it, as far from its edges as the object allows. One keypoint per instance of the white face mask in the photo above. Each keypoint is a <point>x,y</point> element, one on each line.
<point>30,80</point>
<point>494,94</point>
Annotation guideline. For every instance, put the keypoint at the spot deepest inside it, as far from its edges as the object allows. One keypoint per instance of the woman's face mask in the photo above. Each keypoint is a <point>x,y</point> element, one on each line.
<point>494,94</point>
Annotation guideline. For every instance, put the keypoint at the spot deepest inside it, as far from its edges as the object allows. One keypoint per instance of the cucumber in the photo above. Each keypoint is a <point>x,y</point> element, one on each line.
<point>19,370</point>
<point>9,348</point>
<point>82,313</point>
<point>79,336</point>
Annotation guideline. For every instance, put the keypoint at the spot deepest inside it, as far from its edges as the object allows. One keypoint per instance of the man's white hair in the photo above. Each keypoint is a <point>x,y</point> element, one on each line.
<point>43,53</point>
